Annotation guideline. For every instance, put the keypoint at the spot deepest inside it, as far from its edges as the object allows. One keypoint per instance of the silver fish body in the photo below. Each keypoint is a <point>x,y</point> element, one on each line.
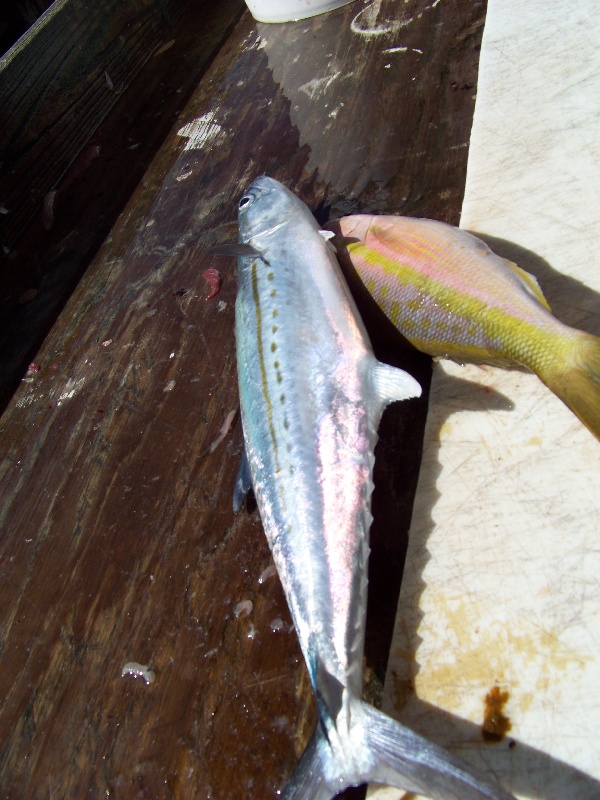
<point>311,396</point>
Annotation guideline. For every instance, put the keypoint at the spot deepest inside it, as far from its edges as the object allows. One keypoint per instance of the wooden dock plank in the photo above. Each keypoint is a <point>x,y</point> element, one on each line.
<point>86,179</point>
<point>118,539</point>
<point>57,83</point>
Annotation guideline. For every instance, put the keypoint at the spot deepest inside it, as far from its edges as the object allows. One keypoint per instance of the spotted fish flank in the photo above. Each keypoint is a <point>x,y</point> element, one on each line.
<point>311,397</point>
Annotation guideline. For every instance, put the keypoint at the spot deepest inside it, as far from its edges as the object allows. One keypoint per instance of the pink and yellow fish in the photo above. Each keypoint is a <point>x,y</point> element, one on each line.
<point>452,297</point>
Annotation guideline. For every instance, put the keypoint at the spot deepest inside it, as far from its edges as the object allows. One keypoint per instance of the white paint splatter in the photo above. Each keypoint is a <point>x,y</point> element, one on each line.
<point>403,50</point>
<point>138,671</point>
<point>71,387</point>
<point>26,400</point>
<point>201,131</point>
<point>185,176</point>
<point>365,22</point>
<point>169,387</point>
<point>318,85</point>
<point>258,43</point>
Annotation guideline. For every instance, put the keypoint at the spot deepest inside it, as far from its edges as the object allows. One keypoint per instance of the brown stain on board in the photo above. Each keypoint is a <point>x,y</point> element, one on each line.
<point>469,658</point>
<point>495,724</point>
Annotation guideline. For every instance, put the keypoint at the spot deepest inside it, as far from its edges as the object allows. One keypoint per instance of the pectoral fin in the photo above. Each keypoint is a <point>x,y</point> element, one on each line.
<point>234,249</point>
<point>328,236</point>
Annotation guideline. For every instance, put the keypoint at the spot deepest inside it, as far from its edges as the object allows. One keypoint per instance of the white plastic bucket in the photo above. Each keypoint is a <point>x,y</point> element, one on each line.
<point>290,10</point>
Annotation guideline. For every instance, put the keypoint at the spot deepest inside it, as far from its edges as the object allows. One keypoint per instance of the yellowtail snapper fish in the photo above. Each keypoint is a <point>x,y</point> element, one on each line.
<point>311,398</point>
<point>452,297</point>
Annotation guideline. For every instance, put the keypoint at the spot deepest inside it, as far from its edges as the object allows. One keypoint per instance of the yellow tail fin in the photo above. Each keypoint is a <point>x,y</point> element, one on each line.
<point>577,383</point>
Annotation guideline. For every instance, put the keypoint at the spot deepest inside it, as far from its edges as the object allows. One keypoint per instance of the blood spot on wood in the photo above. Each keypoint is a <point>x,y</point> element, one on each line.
<point>213,277</point>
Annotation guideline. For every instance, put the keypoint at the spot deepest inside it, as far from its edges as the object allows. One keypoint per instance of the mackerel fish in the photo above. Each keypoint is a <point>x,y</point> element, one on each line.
<point>311,395</point>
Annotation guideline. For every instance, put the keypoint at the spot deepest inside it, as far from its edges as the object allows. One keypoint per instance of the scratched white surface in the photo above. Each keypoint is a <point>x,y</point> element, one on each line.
<point>502,581</point>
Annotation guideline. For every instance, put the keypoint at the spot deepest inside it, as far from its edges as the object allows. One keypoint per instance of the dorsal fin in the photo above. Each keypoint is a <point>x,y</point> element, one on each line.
<point>530,284</point>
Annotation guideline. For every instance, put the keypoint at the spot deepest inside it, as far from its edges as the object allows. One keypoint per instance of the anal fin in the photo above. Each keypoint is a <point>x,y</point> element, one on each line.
<point>243,483</point>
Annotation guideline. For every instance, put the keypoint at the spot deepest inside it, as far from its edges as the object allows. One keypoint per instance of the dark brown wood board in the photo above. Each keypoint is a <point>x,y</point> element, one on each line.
<point>70,157</point>
<point>58,83</point>
<point>119,542</point>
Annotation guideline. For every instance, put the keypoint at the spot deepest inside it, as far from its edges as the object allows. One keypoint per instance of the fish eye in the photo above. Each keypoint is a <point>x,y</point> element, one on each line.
<point>245,201</point>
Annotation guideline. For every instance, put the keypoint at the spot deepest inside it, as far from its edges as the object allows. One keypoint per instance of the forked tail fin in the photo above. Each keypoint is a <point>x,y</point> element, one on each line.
<point>577,380</point>
<point>388,754</point>
<point>409,761</point>
<point>308,781</point>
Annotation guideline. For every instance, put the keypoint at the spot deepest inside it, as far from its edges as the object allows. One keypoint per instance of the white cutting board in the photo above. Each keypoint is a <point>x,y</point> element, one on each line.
<point>502,579</point>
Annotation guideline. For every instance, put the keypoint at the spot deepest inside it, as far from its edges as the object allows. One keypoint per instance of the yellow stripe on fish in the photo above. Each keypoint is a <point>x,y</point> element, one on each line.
<point>452,297</point>
<point>444,322</point>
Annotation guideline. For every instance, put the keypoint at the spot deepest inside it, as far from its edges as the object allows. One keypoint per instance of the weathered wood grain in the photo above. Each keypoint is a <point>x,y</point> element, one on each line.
<point>46,260</point>
<point>118,539</point>
<point>16,16</point>
<point>58,83</point>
